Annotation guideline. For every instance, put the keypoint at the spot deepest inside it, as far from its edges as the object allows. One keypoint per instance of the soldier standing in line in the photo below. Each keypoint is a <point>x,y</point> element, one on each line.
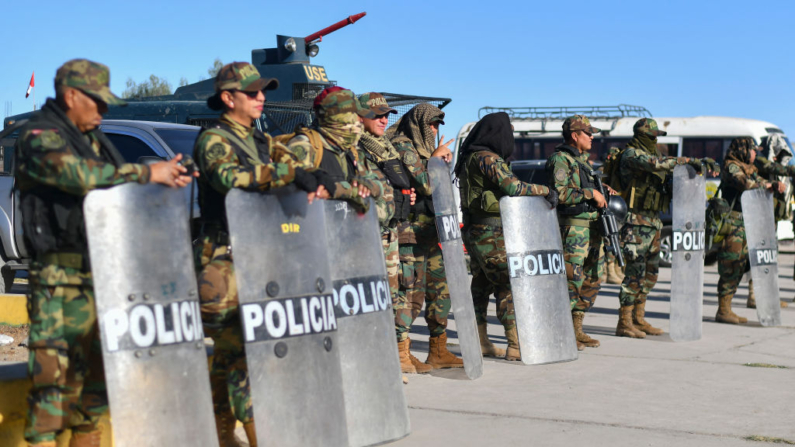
<point>422,277</point>
<point>485,177</point>
<point>380,151</point>
<point>739,174</point>
<point>570,175</point>
<point>233,153</point>
<point>62,157</point>
<point>642,177</point>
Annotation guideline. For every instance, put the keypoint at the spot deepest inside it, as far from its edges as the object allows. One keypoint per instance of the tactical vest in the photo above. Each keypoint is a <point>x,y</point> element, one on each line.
<point>731,194</point>
<point>480,197</point>
<point>396,176</point>
<point>52,220</point>
<point>211,202</point>
<point>586,182</point>
<point>645,192</point>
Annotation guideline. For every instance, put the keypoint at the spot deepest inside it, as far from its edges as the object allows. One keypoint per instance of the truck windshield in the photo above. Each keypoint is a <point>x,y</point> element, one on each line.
<point>179,140</point>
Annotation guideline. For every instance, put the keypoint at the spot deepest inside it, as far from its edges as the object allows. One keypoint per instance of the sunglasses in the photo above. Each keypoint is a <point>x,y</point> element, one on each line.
<point>251,95</point>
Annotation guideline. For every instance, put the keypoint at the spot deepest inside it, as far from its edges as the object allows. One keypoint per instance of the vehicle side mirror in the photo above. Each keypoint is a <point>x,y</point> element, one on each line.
<point>150,160</point>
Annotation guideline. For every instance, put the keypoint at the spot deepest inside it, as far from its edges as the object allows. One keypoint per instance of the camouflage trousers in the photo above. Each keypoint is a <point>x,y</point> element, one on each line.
<point>489,264</point>
<point>584,257</point>
<point>220,314</point>
<point>421,278</point>
<point>389,239</point>
<point>65,365</point>
<point>641,248</point>
<point>732,257</point>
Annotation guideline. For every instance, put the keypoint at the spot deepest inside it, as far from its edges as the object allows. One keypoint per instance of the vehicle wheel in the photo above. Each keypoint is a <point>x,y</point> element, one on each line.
<point>8,276</point>
<point>666,253</point>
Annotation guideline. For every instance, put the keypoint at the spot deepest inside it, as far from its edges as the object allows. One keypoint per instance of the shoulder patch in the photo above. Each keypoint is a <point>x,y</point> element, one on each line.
<point>216,151</point>
<point>560,174</point>
<point>300,151</point>
<point>50,139</point>
<point>410,158</point>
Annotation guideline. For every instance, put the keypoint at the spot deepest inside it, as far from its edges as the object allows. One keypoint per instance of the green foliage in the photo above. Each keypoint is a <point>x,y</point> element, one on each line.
<point>217,65</point>
<point>155,86</point>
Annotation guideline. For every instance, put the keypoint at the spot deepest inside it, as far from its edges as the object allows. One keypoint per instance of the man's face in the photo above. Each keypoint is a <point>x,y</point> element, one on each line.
<point>84,111</point>
<point>582,140</point>
<point>377,125</point>
<point>249,103</point>
<point>435,128</point>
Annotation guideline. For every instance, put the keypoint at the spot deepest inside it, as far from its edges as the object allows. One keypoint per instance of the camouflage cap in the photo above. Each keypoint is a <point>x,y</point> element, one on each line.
<point>335,100</point>
<point>649,127</point>
<point>89,77</point>
<point>375,102</point>
<point>239,76</point>
<point>579,122</point>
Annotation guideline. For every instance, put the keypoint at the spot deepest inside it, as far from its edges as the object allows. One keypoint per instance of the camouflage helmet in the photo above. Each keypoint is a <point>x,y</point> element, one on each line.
<point>89,77</point>
<point>649,127</point>
<point>579,122</point>
<point>336,100</point>
<point>239,76</point>
<point>376,102</point>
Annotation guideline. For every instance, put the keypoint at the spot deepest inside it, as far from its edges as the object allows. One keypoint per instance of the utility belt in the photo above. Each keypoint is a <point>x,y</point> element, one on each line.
<point>573,210</point>
<point>573,222</point>
<point>402,198</point>
<point>73,260</point>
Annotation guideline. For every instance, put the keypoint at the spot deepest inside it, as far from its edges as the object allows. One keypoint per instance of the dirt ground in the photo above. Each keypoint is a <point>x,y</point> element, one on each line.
<point>14,352</point>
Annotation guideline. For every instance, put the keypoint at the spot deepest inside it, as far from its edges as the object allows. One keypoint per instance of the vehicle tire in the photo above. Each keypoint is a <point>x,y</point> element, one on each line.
<point>666,253</point>
<point>7,280</point>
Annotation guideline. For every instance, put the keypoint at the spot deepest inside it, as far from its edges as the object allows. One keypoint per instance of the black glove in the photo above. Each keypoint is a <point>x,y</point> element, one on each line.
<point>696,164</point>
<point>712,165</point>
<point>552,198</point>
<point>188,163</point>
<point>326,181</point>
<point>305,180</point>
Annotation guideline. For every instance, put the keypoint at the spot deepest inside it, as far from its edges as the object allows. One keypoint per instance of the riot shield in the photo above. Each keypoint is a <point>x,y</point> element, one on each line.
<point>455,267</point>
<point>375,405</point>
<point>760,232</point>
<point>149,319</point>
<point>537,273</point>
<point>288,319</point>
<point>688,238</point>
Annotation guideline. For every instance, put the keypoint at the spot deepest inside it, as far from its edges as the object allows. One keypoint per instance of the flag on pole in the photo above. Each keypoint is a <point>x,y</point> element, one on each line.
<point>31,85</point>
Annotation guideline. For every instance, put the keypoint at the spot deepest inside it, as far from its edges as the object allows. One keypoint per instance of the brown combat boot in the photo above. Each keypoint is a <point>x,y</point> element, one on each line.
<point>582,338</point>
<point>438,355</point>
<point>251,433</point>
<point>751,303</point>
<point>405,360</point>
<point>640,323</point>
<point>614,274</point>
<point>225,427</point>
<point>420,367</point>
<point>487,348</point>
<point>725,314</point>
<point>625,327</point>
<point>91,438</point>
<point>513,354</point>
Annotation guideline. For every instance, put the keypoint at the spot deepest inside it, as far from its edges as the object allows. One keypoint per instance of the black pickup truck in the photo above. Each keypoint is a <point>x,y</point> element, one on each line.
<point>138,142</point>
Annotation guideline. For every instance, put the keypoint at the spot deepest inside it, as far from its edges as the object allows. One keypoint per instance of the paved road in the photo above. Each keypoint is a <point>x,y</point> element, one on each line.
<point>651,392</point>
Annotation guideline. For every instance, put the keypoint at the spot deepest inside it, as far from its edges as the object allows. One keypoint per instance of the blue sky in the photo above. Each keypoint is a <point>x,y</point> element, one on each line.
<point>677,58</point>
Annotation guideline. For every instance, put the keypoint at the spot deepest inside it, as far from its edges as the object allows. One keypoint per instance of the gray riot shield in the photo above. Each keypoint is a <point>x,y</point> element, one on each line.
<point>375,405</point>
<point>537,273</point>
<point>760,232</point>
<point>288,319</point>
<point>455,267</point>
<point>687,243</point>
<point>149,319</point>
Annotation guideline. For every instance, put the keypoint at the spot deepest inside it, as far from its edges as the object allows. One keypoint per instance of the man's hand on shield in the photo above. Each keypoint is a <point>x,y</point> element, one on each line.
<point>552,198</point>
<point>170,173</point>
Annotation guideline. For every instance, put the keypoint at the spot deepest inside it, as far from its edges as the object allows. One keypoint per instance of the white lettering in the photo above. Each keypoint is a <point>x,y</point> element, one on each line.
<point>677,240</point>
<point>275,330</point>
<point>514,263</point>
<point>295,328</point>
<point>252,318</point>
<point>366,308</point>
<point>175,322</point>
<point>314,318</point>
<point>331,319</point>
<point>115,325</point>
<point>143,335</point>
<point>186,310</point>
<point>164,336</point>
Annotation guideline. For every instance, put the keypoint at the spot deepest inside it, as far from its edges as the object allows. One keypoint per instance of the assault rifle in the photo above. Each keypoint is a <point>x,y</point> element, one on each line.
<point>608,224</point>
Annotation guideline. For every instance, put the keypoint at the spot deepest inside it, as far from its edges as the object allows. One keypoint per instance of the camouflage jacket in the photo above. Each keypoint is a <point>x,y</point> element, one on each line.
<point>647,172</point>
<point>564,173</point>
<point>734,181</point>
<point>57,167</point>
<point>487,178</point>
<point>770,169</point>
<point>300,150</point>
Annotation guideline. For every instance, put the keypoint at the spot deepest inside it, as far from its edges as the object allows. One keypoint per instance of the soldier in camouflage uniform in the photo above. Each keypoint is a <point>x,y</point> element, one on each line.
<point>422,277</point>
<point>570,175</point>
<point>232,153</point>
<point>331,144</point>
<point>485,177</point>
<point>62,156</point>
<point>740,173</point>
<point>379,150</point>
<point>642,176</point>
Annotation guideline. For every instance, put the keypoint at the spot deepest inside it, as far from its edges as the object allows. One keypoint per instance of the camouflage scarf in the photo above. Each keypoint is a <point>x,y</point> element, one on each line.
<point>341,129</point>
<point>415,127</point>
<point>740,155</point>
<point>378,147</point>
<point>644,142</point>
